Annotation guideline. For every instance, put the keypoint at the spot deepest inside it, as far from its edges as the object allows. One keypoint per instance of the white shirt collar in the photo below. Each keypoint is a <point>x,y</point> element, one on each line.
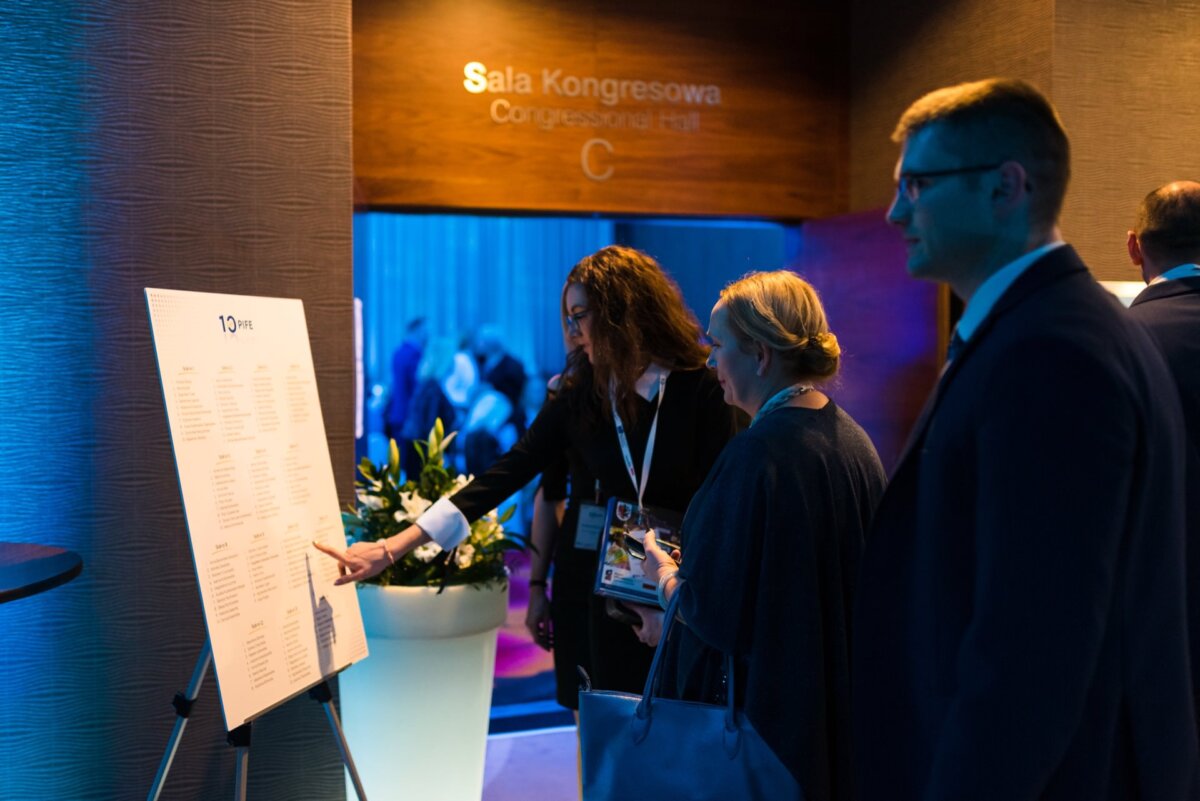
<point>1180,271</point>
<point>991,290</point>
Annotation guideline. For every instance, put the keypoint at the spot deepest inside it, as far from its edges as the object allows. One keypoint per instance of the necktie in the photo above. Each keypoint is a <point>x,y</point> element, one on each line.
<point>952,351</point>
<point>956,346</point>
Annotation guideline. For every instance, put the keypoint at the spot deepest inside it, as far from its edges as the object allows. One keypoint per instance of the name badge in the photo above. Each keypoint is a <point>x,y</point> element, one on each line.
<point>590,526</point>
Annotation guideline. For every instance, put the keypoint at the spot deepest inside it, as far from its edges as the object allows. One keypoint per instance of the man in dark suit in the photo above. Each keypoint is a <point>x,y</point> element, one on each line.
<point>1166,247</point>
<point>1020,629</point>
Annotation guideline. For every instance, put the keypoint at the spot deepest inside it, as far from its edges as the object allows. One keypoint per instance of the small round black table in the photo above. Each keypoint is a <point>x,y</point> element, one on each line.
<point>27,569</point>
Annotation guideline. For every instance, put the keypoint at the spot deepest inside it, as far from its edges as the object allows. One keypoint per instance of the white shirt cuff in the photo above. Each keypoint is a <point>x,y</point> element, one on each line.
<point>444,524</point>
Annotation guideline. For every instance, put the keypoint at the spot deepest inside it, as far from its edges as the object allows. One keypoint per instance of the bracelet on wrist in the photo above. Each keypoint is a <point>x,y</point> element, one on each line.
<point>391,559</point>
<point>662,586</point>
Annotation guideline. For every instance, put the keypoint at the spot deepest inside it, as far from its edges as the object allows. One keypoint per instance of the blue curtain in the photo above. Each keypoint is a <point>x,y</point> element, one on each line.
<point>704,256</point>
<point>460,272</point>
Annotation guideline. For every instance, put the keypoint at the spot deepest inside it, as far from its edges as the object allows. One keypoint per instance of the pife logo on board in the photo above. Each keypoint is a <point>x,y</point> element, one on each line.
<point>231,324</point>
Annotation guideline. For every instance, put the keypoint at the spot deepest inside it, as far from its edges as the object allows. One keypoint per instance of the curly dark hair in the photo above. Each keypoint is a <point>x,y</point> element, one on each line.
<point>638,317</point>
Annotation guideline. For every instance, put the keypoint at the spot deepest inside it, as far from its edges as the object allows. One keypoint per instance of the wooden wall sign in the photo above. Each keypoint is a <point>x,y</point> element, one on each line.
<point>670,107</point>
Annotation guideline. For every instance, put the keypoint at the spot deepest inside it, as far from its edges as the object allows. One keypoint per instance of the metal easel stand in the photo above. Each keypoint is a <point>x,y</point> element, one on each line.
<point>324,696</point>
<point>239,738</point>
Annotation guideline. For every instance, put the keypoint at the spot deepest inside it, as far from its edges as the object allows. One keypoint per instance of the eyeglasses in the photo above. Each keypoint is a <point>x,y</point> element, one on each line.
<point>573,320</point>
<point>911,184</point>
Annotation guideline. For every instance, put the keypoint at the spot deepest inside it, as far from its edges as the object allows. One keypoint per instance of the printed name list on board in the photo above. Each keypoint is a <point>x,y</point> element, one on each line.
<point>258,488</point>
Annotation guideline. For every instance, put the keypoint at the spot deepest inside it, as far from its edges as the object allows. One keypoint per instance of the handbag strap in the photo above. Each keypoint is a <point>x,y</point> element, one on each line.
<point>643,710</point>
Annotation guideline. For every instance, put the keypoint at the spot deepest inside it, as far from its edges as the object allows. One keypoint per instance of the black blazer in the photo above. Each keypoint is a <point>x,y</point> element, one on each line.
<point>1171,310</point>
<point>1020,628</point>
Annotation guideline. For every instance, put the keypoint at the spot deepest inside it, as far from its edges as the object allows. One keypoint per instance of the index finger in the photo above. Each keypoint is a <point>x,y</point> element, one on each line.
<point>328,551</point>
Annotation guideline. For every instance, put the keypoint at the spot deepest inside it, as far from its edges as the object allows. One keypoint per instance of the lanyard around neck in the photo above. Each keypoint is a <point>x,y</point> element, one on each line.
<point>779,399</point>
<point>638,486</point>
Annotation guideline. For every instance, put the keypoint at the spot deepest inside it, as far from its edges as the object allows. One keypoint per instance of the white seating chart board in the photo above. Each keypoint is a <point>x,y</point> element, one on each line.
<point>258,488</point>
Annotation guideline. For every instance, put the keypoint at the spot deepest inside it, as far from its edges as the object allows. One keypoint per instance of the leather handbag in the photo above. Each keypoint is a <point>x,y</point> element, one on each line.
<point>649,747</point>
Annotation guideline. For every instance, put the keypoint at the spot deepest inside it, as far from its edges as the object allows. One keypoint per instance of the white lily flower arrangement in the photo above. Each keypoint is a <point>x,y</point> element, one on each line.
<point>384,506</point>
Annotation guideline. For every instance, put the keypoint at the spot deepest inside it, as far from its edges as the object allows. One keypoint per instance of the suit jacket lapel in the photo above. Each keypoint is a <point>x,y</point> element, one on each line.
<point>1054,266</point>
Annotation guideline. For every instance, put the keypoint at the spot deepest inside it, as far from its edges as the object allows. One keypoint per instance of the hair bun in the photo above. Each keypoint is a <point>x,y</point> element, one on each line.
<point>828,343</point>
<point>776,309</point>
<point>817,355</point>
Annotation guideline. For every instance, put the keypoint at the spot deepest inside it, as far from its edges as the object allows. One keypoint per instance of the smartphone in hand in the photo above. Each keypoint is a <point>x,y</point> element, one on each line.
<point>638,551</point>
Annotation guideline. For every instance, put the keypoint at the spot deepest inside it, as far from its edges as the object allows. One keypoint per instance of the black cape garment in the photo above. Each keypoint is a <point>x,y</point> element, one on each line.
<point>772,543</point>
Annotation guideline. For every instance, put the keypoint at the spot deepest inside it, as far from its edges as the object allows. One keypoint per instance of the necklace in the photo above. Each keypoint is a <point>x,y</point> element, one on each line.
<point>779,399</point>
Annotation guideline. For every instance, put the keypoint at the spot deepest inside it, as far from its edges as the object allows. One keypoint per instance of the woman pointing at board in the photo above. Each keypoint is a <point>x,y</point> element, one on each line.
<point>637,414</point>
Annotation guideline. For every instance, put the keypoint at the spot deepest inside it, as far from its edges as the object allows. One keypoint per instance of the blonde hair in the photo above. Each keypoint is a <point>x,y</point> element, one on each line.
<point>781,311</point>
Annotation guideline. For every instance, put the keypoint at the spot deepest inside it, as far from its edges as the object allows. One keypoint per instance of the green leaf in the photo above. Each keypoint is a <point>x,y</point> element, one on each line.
<point>505,515</point>
<point>393,458</point>
<point>367,469</point>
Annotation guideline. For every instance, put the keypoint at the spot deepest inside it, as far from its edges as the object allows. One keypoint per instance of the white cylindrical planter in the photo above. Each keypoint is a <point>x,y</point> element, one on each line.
<point>415,711</point>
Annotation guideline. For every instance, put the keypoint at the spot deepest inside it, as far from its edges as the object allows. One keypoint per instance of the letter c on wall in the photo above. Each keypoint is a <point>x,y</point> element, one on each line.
<point>585,162</point>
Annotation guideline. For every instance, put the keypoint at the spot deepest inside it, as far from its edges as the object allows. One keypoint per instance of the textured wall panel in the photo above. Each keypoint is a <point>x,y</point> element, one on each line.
<point>904,48</point>
<point>1127,83</point>
<point>193,145</point>
<point>46,376</point>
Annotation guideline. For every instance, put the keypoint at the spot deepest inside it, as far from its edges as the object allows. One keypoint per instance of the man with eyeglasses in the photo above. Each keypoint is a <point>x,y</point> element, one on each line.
<point>1020,630</point>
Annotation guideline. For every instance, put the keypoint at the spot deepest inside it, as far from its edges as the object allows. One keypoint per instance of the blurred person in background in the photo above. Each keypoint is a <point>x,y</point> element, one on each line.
<point>429,402</point>
<point>404,377</point>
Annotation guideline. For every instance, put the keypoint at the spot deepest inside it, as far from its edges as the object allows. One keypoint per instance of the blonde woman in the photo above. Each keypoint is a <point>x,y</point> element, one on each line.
<point>772,538</point>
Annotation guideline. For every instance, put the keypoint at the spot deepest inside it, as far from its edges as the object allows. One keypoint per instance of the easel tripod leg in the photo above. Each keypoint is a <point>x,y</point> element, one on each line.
<point>239,738</point>
<point>322,694</point>
<point>183,709</point>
